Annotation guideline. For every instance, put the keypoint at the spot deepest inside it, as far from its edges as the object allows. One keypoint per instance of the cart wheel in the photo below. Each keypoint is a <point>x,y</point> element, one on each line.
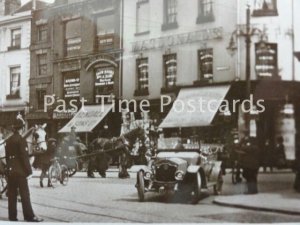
<point>141,186</point>
<point>64,175</point>
<point>219,184</point>
<point>196,188</point>
<point>3,183</point>
<point>53,174</point>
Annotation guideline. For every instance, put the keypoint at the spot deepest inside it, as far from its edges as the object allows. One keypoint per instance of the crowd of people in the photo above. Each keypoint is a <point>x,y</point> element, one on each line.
<point>245,151</point>
<point>247,157</point>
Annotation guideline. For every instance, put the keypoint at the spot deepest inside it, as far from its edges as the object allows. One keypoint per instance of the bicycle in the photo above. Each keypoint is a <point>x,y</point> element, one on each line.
<point>58,172</point>
<point>3,184</point>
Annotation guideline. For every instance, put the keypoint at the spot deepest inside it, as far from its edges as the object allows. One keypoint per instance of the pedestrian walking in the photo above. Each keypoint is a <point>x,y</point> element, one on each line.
<point>266,156</point>
<point>280,153</point>
<point>19,170</point>
<point>250,163</point>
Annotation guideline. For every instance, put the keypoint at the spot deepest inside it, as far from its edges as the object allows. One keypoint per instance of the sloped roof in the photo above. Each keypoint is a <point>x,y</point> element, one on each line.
<point>28,6</point>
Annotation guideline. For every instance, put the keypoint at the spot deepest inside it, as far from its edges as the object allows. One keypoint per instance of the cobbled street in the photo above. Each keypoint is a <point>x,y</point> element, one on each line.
<point>115,200</point>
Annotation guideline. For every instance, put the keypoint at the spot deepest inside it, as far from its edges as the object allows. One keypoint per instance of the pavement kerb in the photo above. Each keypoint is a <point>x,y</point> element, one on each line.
<point>257,208</point>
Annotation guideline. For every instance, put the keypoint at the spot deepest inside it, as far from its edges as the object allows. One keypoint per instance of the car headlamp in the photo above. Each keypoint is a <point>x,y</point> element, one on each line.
<point>179,175</point>
<point>147,176</point>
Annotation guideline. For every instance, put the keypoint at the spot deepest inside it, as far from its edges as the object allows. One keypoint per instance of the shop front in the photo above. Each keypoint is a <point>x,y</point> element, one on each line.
<point>86,120</point>
<point>194,111</point>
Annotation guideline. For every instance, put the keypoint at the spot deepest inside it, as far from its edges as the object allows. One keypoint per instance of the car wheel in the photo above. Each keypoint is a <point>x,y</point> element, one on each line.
<point>196,188</point>
<point>141,186</point>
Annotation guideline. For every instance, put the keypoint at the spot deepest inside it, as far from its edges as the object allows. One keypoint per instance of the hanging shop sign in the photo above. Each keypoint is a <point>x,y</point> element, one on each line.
<point>266,59</point>
<point>178,39</point>
<point>68,114</point>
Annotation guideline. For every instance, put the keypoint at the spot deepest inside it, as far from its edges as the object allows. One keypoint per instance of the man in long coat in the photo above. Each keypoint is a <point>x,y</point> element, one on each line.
<point>18,170</point>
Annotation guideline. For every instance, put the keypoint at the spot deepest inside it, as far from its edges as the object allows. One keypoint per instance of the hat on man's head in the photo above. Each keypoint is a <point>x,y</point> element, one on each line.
<point>73,128</point>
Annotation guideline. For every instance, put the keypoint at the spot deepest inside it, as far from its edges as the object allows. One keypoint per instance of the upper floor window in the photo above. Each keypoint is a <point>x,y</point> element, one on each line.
<point>42,33</point>
<point>72,37</point>
<point>40,94</point>
<point>106,32</point>
<point>142,77</point>
<point>104,80</point>
<point>205,57</point>
<point>170,70</point>
<point>15,42</point>
<point>170,14</point>
<point>205,11</point>
<point>265,8</point>
<point>42,64</point>
<point>142,17</point>
<point>266,60</point>
<point>15,81</point>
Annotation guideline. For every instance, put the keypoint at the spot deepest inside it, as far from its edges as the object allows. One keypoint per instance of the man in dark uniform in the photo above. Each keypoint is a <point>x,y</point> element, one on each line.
<point>19,170</point>
<point>250,163</point>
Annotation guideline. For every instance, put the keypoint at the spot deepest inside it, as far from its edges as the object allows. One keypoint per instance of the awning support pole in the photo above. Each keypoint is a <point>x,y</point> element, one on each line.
<point>86,139</point>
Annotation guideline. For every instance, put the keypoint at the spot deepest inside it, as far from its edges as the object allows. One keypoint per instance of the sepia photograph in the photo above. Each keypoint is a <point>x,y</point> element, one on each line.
<point>150,111</point>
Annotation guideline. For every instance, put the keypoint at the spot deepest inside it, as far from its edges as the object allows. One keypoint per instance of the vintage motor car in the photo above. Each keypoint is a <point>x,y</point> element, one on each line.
<point>189,170</point>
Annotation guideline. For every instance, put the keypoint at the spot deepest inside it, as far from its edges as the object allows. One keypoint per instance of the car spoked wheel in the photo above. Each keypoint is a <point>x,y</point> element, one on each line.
<point>141,186</point>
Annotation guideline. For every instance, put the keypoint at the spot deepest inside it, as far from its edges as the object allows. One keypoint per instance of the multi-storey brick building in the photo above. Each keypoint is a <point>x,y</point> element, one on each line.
<point>15,60</point>
<point>172,45</point>
<point>75,53</point>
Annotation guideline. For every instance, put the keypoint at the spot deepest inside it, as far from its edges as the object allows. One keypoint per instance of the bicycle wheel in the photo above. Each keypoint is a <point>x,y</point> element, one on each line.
<point>3,183</point>
<point>72,171</point>
<point>64,178</point>
<point>53,174</point>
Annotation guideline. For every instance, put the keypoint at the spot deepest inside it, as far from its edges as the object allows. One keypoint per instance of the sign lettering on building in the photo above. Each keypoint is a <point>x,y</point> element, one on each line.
<point>178,39</point>
<point>70,65</point>
<point>72,87</point>
<point>104,76</point>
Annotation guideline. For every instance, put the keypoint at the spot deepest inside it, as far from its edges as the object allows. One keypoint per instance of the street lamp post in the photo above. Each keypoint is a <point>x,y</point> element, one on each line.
<point>248,67</point>
<point>248,33</point>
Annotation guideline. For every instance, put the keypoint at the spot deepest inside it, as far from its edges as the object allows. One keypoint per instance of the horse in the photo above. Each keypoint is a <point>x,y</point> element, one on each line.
<point>105,149</point>
<point>35,138</point>
<point>39,150</point>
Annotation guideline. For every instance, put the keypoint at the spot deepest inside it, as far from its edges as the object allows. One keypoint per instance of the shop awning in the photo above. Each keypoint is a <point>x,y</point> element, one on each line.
<point>195,107</point>
<point>87,118</point>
